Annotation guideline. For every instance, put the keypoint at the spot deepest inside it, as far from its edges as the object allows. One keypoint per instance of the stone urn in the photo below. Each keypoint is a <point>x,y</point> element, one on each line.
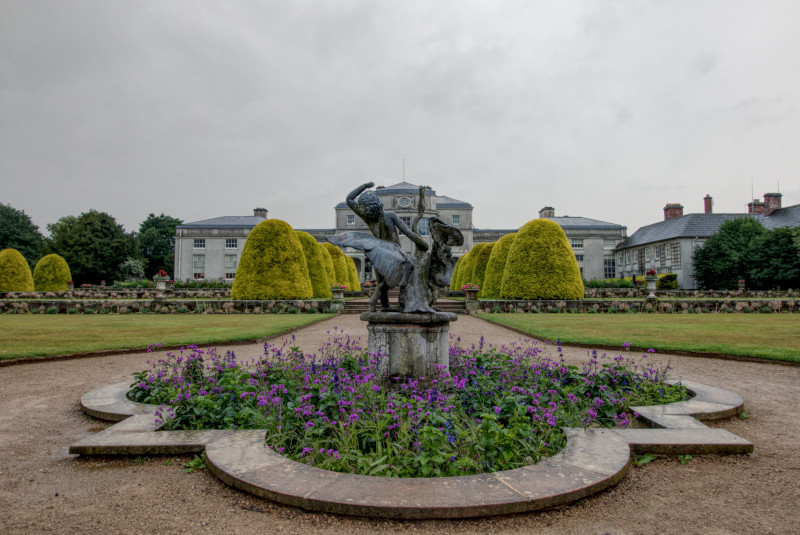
<point>161,285</point>
<point>70,286</point>
<point>338,294</point>
<point>650,285</point>
<point>471,294</point>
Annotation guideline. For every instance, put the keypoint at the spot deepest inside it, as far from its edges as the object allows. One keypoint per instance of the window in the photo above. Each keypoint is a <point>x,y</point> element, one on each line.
<point>199,265</point>
<point>577,243</point>
<point>640,258</point>
<point>579,257</point>
<point>456,220</point>
<point>676,254</point>
<point>581,271</point>
<point>423,226</point>
<point>609,268</point>
<point>609,243</point>
<point>231,243</point>
<point>351,219</point>
<point>406,220</point>
<point>647,254</point>
<point>230,266</point>
<point>200,243</point>
<point>658,253</point>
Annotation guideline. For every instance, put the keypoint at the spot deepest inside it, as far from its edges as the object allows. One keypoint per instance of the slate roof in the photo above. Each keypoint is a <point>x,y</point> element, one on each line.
<point>231,221</point>
<point>449,202</point>
<point>704,225</point>
<point>402,187</point>
<point>583,223</point>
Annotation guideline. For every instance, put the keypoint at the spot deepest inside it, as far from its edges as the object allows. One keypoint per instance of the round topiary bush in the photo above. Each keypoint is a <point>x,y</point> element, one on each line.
<point>493,280</point>
<point>352,272</point>
<point>273,265</point>
<point>327,261</point>
<point>541,264</point>
<point>320,285</point>
<point>15,274</point>
<point>51,274</point>
<point>339,264</point>
<point>481,261</point>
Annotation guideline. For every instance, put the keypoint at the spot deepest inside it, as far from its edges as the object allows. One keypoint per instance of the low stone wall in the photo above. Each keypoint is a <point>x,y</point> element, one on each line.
<point>164,306</point>
<point>611,293</point>
<point>130,294</point>
<point>594,306</point>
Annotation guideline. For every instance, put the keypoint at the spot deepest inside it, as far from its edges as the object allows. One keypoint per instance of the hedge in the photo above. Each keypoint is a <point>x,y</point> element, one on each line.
<point>15,273</point>
<point>354,285</point>
<point>328,263</point>
<point>339,264</point>
<point>493,280</point>
<point>481,261</point>
<point>320,285</point>
<point>454,277</point>
<point>273,265</point>
<point>541,264</point>
<point>51,274</point>
<point>471,259</point>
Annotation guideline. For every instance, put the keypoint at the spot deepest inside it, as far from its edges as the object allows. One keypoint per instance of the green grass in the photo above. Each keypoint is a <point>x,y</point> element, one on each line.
<point>45,335</point>
<point>770,336</point>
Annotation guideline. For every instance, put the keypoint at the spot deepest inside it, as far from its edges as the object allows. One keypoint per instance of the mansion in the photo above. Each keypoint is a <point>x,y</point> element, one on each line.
<point>210,249</point>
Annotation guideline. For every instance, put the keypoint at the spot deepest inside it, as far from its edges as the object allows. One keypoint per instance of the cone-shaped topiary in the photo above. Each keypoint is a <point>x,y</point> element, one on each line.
<point>339,264</point>
<point>541,264</point>
<point>273,265</point>
<point>493,280</point>
<point>469,265</point>
<point>328,263</point>
<point>320,285</point>
<point>481,261</point>
<point>454,277</point>
<point>354,285</point>
<point>459,277</point>
<point>51,274</point>
<point>15,273</point>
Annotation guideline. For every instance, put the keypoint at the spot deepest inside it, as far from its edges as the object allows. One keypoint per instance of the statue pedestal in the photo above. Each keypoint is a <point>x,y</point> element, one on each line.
<point>413,343</point>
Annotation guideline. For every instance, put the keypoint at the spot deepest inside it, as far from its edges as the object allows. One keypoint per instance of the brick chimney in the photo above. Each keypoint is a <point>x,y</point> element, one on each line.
<point>673,210</point>
<point>755,207</point>
<point>260,212</point>
<point>709,203</point>
<point>772,202</point>
<point>547,211</point>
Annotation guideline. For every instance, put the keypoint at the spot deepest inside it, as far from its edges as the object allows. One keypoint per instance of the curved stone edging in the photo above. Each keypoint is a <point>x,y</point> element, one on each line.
<point>592,460</point>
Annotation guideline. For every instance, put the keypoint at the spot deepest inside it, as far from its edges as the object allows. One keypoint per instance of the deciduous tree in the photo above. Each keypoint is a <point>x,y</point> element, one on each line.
<point>17,231</point>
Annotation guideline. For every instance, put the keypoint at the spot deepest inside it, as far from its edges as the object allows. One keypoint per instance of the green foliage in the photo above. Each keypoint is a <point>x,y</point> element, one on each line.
<point>667,281</point>
<point>723,259</point>
<point>609,283</point>
<point>470,261</point>
<point>459,277</point>
<point>339,264</point>
<point>352,272</point>
<point>157,243</point>
<point>454,278</point>
<point>327,261</point>
<point>493,280</point>
<point>481,262</point>
<point>541,264</point>
<point>774,261</point>
<point>273,265</point>
<point>51,274</point>
<point>17,231</point>
<point>93,244</point>
<point>15,274</point>
<point>132,269</point>
<point>320,284</point>
<point>196,464</point>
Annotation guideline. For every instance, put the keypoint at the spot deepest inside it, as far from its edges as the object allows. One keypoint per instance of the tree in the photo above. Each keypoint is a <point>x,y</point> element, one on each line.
<point>723,259</point>
<point>17,231</point>
<point>51,274</point>
<point>273,265</point>
<point>132,269</point>
<point>157,243</point>
<point>15,274</point>
<point>774,260</point>
<point>320,285</point>
<point>493,280</point>
<point>541,264</point>
<point>93,244</point>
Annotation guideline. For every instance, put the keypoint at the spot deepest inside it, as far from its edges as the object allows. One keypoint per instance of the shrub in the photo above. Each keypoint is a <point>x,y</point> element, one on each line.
<point>541,264</point>
<point>354,285</point>
<point>339,264</point>
<point>327,262</point>
<point>667,281</point>
<point>481,261</point>
<point>51,274</point>
<point>273,265</point>
<point>51,310</point>
<point>320,285</point>
<point>15,273</point>
<point>493,280</point>
<point>72,310</point>
<point>470,260</point>
<point>454,279</point>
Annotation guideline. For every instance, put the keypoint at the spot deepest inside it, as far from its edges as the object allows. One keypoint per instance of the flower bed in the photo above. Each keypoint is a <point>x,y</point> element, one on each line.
<point>495,409</point>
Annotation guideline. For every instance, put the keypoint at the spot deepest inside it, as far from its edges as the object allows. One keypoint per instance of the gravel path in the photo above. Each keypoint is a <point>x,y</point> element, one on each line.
<point>45,490</point>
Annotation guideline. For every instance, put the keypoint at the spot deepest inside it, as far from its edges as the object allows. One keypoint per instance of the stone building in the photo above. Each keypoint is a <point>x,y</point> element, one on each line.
<point>668,246</point>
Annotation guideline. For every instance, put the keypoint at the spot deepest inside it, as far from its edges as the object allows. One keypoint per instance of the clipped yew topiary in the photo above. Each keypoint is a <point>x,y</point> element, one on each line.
<point>454,277</point>
<point>352,271</point>
<point>493,280</point>
<point>481,261</point>
<point>339,264</point>
<point>51,274</point>
<point>328,262</point>
<point>320,285</point>
<point>541,264</point>
<point>468,270</point>
<point>15,273</point>
<point>273,265</point>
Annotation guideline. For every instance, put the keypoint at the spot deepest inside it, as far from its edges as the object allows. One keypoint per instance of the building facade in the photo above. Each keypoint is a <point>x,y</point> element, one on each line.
<point>668,246</point>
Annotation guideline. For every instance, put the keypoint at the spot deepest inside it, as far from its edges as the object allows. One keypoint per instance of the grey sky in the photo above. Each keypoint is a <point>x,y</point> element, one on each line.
<point>606,109</point>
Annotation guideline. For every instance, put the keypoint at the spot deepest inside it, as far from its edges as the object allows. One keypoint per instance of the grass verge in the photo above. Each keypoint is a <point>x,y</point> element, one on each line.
<point>768,336</point>
<point>45,335</point>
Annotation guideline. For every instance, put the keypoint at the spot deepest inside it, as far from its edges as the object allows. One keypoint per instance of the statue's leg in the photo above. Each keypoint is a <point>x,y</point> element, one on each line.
<point>373,299</point>
<point>383,288</point>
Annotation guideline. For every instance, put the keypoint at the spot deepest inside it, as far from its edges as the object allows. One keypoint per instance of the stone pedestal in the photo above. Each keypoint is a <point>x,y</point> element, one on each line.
<point>412,343</point>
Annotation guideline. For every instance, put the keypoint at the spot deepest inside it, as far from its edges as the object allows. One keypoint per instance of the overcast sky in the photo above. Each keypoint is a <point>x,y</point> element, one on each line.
<point>606,109</point>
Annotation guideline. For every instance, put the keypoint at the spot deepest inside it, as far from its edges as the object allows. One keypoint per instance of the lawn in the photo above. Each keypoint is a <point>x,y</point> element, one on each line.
<point>771,336</point>
<point>44,335</point>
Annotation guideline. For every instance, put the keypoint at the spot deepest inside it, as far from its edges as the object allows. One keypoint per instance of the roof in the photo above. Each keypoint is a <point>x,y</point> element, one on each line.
<point>403,187</point>
<point>566,222</point>
<point>704,225</point>
<point>231,221</point>
<point>449,202</point>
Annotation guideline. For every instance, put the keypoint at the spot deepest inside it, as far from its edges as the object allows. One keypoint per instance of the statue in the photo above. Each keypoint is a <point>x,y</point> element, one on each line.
<point>419,278</point>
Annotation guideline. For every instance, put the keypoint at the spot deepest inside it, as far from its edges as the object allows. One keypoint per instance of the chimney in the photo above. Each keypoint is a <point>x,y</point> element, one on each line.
<point>260,212</point>
<point>709,203</point>
<point>772,202</point>
<point>547,211</point>
<point>672,211</point>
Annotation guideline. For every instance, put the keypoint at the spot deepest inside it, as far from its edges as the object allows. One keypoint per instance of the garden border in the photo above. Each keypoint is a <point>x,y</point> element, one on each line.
<point>592,460</point>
